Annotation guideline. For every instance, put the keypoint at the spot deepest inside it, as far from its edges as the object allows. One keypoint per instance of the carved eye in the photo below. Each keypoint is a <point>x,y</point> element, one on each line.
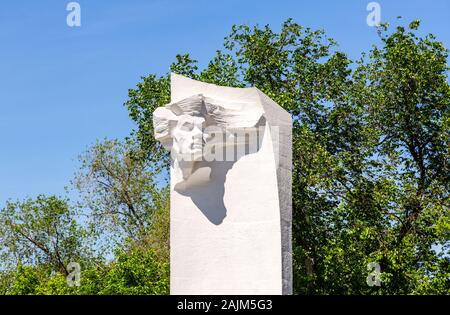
<point>186,126</point>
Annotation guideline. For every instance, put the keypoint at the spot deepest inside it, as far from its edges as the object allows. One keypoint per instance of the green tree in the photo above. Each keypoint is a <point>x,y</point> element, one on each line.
<point>139,266</point>
<point>119,191</point>
<point>135,272</point>
<point>406,95</point>
<point>41,231</point>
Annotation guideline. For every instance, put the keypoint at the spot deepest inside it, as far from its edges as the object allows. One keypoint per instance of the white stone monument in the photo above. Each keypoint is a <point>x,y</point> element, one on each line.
<point>230,213</point>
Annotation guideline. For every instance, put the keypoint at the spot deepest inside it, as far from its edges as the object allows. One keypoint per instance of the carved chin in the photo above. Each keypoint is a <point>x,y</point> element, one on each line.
<point>190,156</point>
<point>198,177</point>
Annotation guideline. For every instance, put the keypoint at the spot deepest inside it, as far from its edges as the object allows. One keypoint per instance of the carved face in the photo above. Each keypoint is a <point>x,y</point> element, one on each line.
<point>188,136</point>
<point>194,130</point>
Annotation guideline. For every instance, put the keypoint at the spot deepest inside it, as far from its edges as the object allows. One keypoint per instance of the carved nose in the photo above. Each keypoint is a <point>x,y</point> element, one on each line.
<point>197,132</point>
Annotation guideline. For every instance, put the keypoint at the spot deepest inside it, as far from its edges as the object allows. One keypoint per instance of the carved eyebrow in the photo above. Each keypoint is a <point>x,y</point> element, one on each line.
<point>187,123</point>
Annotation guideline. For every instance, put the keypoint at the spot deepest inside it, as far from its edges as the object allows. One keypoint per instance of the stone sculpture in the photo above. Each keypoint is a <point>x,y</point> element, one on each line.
<point>230,189</point>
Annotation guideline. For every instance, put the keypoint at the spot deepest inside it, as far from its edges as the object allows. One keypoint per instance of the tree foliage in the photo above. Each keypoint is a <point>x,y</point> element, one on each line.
<point>119,189</point>
<point>41,231</point>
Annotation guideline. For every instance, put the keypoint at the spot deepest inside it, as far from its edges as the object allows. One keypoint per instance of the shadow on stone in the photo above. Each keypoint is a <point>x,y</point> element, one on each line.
<point>209,196</point>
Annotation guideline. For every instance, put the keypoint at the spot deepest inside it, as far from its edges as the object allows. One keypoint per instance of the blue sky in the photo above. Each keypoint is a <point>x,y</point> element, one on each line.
<point>62,88</point>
